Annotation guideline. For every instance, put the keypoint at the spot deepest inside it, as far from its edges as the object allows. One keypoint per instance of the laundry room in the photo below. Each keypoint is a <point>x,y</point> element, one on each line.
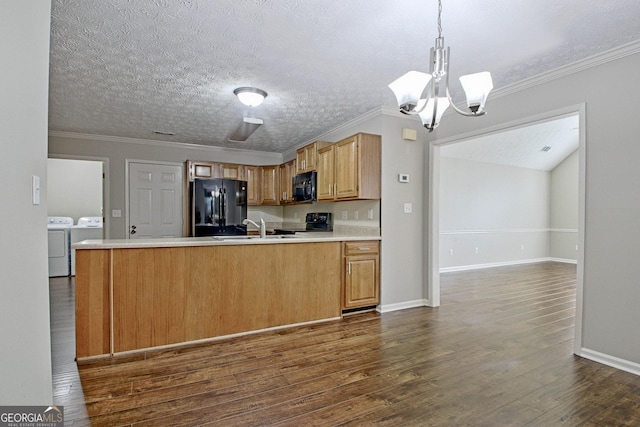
<point>74,209</point>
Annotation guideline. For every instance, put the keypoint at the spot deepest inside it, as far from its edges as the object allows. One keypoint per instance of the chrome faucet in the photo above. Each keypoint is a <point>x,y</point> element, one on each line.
<point>262,227</point>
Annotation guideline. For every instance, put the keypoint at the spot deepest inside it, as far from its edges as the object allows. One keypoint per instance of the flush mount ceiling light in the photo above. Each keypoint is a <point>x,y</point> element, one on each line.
<point>250,96</point>
<point>428,94</point>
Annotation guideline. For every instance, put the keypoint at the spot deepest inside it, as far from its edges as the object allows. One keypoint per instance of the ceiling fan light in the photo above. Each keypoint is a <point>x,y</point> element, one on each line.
<point>408,89</point>
<point>250,96</point>
<point>476,88</point>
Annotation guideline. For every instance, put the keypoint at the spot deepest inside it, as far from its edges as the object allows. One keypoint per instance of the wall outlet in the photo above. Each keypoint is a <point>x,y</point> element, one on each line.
<point>355,215</point>
<point>370,214</point>
<point>522,247</point>
<point>408,208</point>
<point>344,215</point>
<point>450,251</point>
<point>476,250</point>
<point>116,213</point>
<point>403,177</point>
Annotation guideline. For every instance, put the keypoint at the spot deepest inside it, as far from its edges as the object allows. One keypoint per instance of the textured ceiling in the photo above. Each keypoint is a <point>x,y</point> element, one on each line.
<point>522,147</point>
<point>131,67</point>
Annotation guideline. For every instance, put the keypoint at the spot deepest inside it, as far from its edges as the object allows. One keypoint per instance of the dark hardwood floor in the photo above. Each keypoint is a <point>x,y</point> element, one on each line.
<point>498,352</point>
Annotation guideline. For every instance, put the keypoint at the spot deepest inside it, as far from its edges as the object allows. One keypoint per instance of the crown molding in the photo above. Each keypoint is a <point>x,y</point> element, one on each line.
<point>353,122</point>
<point>576,67</point>
<point>156,143</point>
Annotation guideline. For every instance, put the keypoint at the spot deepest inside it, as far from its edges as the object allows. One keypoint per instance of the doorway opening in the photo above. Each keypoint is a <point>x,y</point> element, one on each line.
<point>76,187</point>
<point>442,255</point>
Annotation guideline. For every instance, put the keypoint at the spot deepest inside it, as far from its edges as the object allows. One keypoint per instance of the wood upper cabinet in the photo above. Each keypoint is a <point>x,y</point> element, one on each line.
<point>232,171</point>
<point>361,272</point>
<point>325,179</point>
<point>351,169</point>
<point>252,176</point>
<point>270,185</point>
<point>196,169</point>
<point>200,169</point>
<point>307,156</point>
<point>287,172</point>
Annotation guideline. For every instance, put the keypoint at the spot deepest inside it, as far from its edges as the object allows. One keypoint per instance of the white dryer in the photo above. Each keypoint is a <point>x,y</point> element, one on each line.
<point>88,227</point>
<point>58,228</point>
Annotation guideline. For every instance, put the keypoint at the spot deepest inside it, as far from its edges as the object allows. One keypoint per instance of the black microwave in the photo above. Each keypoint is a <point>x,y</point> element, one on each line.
<point>304,187</point>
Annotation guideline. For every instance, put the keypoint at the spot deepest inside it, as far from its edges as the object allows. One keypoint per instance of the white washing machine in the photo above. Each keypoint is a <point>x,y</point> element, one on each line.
<point>58,228</point>
<point>88,227</point>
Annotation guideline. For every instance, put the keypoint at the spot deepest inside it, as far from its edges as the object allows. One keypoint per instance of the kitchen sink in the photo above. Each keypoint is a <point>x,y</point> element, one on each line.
<point>270,237</point>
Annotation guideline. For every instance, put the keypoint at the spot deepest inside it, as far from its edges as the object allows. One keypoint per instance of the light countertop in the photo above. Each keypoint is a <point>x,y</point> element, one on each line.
<point>220,241</point>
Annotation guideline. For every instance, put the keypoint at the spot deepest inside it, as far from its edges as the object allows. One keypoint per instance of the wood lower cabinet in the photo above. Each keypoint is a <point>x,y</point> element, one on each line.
<point>361,272</point>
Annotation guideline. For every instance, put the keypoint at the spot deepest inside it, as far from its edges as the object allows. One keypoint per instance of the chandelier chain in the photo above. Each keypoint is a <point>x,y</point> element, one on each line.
<point>439,18</point>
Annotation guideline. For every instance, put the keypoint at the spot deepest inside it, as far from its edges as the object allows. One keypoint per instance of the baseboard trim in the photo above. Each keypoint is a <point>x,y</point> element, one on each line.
<point>493,264</point>
<point>614,362</point>
<point>564,260</point>
<point>403,305</point>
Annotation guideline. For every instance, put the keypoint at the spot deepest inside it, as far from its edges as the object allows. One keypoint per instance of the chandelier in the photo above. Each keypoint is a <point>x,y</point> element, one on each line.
<point>427,95</point>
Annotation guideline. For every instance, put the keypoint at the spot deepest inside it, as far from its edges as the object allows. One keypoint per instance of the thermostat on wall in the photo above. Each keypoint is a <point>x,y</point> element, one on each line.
<point>403,177</point>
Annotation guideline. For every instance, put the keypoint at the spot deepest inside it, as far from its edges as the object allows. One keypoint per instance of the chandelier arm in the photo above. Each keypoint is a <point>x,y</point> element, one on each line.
<point>459,111</point>
<point>435,89</point>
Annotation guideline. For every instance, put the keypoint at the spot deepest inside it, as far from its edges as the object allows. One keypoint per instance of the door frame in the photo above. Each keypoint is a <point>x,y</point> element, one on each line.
<point>185,195</point>
<point>432,264</point>
<point>105,185</point>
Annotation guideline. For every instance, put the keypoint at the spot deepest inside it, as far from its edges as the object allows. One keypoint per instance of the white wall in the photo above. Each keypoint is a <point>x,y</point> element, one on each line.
<point>610,316</point>
<point>492,214</point>
<point>74,188</point>
<point>25,368</point>
<point>564,209</point>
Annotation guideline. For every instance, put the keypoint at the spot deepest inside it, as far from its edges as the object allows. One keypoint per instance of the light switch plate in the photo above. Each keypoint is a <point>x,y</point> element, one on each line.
<point>116,213</point>
<point>35,189</point>
<point>408,208</point>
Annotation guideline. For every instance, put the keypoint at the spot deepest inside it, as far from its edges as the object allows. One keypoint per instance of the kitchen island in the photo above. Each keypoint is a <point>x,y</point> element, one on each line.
<point>133,295</point>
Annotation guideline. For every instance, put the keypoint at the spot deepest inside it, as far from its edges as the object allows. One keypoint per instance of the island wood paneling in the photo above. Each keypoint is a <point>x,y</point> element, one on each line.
<point>165,296</point>
<point>92,302</point>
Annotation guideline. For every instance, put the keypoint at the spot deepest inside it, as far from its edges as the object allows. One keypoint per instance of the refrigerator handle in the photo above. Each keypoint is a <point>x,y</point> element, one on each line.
<point>223,207</point>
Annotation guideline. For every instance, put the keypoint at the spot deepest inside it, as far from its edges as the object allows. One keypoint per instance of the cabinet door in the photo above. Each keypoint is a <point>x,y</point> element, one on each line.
<point>201,170</point>
<point>301,160</point>
<point>231,171</point>
<point>253,185</point>
<point>347,169</point>
<point>324,183</point>
<point>362,280</point>
<point>270,185</point>
<point>287,171</point>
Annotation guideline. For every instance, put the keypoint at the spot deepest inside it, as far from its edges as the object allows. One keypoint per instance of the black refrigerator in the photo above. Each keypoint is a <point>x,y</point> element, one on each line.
<point>218,207</point>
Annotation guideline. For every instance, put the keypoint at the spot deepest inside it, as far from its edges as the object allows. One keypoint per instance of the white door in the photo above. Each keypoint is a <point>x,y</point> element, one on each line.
<point>155,200</point>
